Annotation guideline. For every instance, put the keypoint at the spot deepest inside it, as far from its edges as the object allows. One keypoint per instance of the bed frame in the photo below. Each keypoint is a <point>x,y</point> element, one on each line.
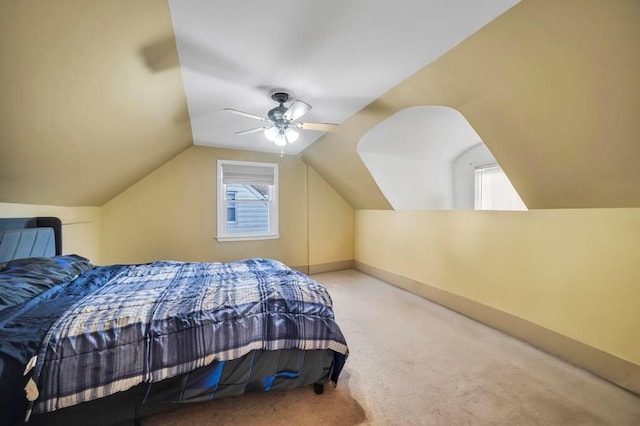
<point>127,408</point>
<point>30,237</point>
<point>256,371</point>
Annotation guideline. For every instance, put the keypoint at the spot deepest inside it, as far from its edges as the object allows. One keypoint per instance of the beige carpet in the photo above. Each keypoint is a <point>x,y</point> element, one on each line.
<point>414,362</point>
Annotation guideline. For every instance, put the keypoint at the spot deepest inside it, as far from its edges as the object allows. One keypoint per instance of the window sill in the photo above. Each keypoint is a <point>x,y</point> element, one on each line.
<point>225,238</point>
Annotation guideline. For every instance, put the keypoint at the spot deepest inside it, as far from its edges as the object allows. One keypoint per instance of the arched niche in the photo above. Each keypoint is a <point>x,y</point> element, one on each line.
<point>423,157</point>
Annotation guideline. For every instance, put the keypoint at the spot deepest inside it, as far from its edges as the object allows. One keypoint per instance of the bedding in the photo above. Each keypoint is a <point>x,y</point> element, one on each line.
<point>22,279</point>
<point>92,331</point>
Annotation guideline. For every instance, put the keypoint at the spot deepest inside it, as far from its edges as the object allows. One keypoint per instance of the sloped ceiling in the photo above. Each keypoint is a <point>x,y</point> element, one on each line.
<point>336,55</point>
<point>93,93</point>
<point>92,101</point>
<point>82,114</point>
<point>551,87</point>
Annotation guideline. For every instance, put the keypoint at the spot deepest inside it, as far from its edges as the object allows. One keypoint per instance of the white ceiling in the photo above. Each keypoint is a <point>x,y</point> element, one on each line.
<point>336,55</point>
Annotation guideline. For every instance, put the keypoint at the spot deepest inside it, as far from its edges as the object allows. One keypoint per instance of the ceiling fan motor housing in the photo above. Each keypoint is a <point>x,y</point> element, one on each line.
<point>280,97</point>
<point>276,114</point>
<point>282,119</point>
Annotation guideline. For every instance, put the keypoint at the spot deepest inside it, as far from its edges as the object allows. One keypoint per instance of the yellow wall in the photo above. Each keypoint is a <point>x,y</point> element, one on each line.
<point>171,214</point>
<point>574,272</point>
<point>330,223</point>
<point>80,225</point>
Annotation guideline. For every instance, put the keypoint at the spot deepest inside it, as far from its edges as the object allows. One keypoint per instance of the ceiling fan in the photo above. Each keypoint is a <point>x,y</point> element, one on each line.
<point>281,120</point>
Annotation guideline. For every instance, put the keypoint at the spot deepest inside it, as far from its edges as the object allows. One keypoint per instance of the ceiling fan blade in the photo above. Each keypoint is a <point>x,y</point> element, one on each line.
<point>251,131</point>
<point>321,127</point>
<point>296,110</point>
<point>245,114</point>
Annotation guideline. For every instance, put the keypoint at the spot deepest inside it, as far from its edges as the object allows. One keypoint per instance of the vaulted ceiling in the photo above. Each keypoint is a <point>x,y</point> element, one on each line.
<point>93,99</point>
<point>336,55</point>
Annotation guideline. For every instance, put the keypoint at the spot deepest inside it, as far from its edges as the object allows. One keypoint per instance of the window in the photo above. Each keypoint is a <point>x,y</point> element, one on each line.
<point>494,191</point>
<point>231,206</point>
<point>247,200</point>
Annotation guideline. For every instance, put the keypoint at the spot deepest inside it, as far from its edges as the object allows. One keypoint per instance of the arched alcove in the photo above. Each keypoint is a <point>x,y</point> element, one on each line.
<point>421,158</point>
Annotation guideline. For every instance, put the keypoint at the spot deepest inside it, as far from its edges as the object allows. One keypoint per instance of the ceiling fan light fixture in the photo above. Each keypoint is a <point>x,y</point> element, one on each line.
<point>281,126</point>
<point>291,135</point>
<point>271,133</point>
<point>280,139</point>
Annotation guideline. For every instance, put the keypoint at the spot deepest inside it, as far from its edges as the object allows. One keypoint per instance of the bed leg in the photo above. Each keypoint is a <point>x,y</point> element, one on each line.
<point>318,388</point>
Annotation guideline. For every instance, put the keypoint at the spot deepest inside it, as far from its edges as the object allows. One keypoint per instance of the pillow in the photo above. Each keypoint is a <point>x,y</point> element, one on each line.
<point>23,279</point>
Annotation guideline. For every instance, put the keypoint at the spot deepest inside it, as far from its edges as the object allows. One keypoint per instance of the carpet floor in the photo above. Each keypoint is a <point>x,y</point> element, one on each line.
<point>413,362</point>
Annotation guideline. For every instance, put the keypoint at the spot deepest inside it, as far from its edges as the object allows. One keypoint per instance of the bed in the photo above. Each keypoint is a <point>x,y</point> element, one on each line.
<point>119,342</point>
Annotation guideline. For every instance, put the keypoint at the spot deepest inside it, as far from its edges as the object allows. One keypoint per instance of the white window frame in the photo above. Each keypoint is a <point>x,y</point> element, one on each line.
<point>518,204</point>
<point>235,209</point>
<point>222,232</point>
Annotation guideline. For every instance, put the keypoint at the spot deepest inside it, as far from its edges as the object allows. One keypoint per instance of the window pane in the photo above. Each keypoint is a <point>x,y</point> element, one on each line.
<point>231,212</point>
<point>494,191</point>
<point>249,217</point>
<point>248,192</point>
<point>247,195</point>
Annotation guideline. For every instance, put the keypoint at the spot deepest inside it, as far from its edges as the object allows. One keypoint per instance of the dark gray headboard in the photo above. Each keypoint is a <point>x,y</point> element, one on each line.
<point>20,235</point>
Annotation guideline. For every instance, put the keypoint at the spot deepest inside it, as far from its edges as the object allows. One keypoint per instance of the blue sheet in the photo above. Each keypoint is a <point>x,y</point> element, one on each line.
<point>23,279</point>
<point>117,326</point>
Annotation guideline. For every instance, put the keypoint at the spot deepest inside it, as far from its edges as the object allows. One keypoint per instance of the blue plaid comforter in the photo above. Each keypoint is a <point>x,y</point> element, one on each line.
<point>123,325</point>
